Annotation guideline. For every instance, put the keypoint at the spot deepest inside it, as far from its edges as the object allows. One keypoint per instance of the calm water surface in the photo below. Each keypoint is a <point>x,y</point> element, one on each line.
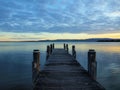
<point>16,59</point>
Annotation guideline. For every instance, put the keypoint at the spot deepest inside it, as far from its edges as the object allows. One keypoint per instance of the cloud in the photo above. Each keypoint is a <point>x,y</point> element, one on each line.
<point>115,14</point>
<point>60,16</point>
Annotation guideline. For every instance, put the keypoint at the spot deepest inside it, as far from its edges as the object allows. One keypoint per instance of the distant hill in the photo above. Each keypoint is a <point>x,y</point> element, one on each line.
<point>74,40</point>
<point>110,40</point>
<point>83,40</point>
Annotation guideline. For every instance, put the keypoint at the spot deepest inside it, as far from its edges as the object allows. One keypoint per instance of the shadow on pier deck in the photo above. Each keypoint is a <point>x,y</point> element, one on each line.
<point>62,72</point>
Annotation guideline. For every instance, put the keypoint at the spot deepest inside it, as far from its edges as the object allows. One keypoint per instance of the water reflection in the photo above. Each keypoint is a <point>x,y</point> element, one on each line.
<point>114,68</point>
<point>110,47</point>
<point>16,59</point>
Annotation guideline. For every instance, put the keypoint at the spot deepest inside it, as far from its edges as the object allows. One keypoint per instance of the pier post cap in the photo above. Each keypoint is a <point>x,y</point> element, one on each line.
<point>36,50</point>
<point>91,50</point>
<point>48,46</point>
<point>73,46</point>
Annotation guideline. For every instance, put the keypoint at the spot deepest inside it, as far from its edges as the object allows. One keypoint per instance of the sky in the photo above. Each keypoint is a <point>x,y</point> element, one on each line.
<point>22,20</point>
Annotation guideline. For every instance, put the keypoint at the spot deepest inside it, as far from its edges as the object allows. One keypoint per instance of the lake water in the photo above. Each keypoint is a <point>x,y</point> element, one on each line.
<point>16,62</point>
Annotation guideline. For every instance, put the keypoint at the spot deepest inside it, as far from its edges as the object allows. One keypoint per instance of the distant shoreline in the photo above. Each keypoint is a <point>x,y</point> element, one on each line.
<point>74,40</point>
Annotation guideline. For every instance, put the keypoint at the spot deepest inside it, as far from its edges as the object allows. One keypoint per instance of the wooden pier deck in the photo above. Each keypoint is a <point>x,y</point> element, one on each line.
<point>63,72</point>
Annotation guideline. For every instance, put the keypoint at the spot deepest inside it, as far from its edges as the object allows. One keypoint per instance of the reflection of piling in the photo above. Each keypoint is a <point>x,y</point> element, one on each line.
<point>35,64</point>
<point>73,52</point>
<point>92,64</point>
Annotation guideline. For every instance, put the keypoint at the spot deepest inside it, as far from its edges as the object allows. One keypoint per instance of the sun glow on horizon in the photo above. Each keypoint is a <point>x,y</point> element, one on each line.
<point>52,36</point>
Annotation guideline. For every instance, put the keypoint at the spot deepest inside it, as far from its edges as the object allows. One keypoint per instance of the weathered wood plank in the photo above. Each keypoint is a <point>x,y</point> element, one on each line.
<point>63,72</point>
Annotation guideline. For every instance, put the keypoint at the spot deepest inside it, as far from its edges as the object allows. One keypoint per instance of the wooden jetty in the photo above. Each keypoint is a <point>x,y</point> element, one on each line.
<point>63,72</point>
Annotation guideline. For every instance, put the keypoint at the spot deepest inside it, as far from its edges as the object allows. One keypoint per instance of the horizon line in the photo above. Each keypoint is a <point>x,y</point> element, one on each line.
<point>60,39</point>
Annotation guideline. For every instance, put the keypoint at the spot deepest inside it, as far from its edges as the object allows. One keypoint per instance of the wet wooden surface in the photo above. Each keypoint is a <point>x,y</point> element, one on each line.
<point>63,72</point>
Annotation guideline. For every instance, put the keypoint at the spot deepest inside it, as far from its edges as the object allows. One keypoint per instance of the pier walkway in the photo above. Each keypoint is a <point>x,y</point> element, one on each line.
<point>63,72</point>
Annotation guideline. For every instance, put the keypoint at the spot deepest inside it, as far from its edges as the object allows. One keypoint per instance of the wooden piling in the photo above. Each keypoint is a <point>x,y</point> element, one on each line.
<point>35,64</point>
<point>92,64</point>
<point>64,46</point>
<point>53,46</point>
<point>48,52</point>
<point>63,72</point>
<point>73,52</point>
<point>67,48</point>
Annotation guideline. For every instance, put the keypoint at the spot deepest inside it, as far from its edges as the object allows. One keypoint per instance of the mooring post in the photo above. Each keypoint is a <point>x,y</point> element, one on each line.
<point>53,46</point>
<point>48,52</point>
<point>92,64</point>
<point>73,52</point>
<point>35,64</point>
<point>67,48</point>
<point>64,46</point>
<point>49,49</point>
